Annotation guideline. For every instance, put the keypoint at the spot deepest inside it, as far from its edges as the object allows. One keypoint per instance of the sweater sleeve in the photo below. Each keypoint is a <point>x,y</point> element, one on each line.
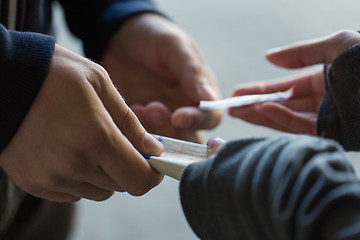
<point>95,21</point>
<point>24,62</point>
<point>339,113</point>
<point>281,188</point>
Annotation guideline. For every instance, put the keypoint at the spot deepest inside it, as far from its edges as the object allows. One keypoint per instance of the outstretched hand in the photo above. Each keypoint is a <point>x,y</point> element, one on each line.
<point>162,76</point>
<point>299,113</point>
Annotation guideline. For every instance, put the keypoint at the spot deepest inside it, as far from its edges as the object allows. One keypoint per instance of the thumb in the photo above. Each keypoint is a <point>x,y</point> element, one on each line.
<point>124,118</point>
<point>315,51</point>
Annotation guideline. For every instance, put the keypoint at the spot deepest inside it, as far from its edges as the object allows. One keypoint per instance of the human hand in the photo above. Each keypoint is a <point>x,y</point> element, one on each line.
<point>161,75</point>
<point>79,139</point>
<point>299,113</point>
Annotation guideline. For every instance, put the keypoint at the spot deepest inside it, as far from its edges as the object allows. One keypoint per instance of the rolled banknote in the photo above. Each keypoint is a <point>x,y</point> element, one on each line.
<point>246,100</point>
<point>176,156</point>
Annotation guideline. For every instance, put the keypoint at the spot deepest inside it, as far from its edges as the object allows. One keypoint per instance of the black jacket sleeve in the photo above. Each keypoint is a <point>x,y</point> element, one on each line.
<point>24,62</point>
<point>95,21</point>
<point>339,113</point>
<point>280,188</point>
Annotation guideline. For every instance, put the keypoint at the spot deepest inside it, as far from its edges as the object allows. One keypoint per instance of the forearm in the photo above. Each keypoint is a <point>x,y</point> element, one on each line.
<point>24,61</point>
<point>290,187</point>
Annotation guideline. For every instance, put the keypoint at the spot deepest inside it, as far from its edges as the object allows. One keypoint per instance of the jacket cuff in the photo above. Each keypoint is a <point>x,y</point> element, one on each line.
<point>339,112</point>
<point>112,19</point>
<point>24,62</point>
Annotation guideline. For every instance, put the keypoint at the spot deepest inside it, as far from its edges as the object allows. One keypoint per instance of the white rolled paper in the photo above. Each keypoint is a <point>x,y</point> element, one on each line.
<point>245,100</point>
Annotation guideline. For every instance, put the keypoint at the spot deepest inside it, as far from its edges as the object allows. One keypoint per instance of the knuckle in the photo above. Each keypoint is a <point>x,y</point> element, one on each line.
<point>98,77</point>
<point>128,120</point>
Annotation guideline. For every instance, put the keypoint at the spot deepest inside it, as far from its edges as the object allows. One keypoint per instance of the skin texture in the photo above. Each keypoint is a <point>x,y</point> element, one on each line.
<point>299,113</point>
<point>80,139</point>
<point>161,75</point>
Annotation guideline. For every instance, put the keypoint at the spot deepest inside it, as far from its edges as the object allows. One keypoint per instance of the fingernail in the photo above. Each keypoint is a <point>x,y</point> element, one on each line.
<point>153,145</point>
<point>213,142</point>
<point>206,92</point>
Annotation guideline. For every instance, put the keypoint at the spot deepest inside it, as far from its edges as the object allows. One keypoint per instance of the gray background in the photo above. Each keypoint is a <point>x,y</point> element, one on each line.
<point>232,36</point>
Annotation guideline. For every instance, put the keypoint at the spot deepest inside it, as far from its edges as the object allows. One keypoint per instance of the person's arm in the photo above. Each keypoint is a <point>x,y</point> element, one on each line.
<point>287,187</point>
<point>24,62</point>
<point>155,65</point>
<point>96,21</point>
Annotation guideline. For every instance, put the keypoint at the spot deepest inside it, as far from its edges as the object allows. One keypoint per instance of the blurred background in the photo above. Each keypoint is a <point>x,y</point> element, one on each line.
<point>232,35</point>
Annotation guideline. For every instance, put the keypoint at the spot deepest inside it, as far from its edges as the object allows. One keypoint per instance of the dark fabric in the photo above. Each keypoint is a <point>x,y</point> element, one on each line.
<point>24,61</point>
<point>40,219</point>
<point>280,188</point>
<point>25,57</point>
<point>96,23</point>
<point>24,217</point>
<point>339,111</point>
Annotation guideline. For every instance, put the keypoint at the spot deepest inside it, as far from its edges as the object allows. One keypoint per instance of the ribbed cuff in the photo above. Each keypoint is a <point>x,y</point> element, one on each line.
<point>24,62</point>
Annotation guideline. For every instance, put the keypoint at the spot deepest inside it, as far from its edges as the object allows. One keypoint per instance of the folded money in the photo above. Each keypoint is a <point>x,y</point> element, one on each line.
<point>176,156</point>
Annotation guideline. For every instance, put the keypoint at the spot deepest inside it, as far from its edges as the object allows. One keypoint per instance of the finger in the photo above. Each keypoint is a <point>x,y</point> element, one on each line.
<point>129,169</point>
<point>254,115</point>
<point>157,114</point>
<point>126,120</point>
<point>121,160</point>
<point>303,104</point>
<point>320,50</point>
<point>290,120</point>
<point>214,145</point>
<point>159,121</point>
<point>101,180</point>
<point>192,118</point>
<point>89,191</point>
<point>304,84</point>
